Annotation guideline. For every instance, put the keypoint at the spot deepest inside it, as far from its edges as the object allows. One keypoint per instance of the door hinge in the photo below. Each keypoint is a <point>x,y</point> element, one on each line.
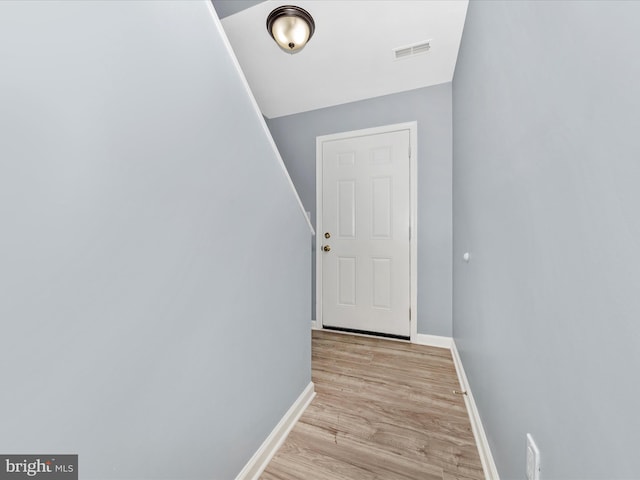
<point>409,152</point>
<point>409,313</point>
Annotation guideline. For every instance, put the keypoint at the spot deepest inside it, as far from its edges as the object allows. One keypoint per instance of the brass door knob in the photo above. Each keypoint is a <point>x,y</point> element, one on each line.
<point>326,248</point>
<point>327,235</point>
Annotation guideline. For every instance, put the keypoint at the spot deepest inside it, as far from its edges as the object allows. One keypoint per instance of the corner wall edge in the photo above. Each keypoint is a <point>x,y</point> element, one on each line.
<point>259,461</point>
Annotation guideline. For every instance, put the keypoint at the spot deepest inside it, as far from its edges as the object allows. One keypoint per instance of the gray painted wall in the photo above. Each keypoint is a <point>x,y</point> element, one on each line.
<point>224,8</point>
<point>546,169</point>
<point>154,264</point>
<point>296,135</point>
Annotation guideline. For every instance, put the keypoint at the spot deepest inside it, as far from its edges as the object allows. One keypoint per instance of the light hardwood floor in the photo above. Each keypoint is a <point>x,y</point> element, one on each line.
<point>383,410</point>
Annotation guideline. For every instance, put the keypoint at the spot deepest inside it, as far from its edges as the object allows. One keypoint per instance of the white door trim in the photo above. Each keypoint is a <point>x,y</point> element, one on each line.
<point>413,217</point>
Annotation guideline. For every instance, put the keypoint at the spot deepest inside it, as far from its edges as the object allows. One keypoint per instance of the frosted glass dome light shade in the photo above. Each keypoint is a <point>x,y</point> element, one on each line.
<point>291,27</point>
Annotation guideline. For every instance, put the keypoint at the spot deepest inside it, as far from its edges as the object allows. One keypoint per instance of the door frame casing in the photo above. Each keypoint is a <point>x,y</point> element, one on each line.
<point>413,213</point>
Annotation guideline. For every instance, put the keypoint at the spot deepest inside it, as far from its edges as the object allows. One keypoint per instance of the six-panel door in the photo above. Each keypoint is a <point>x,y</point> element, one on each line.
<point>366,215</point>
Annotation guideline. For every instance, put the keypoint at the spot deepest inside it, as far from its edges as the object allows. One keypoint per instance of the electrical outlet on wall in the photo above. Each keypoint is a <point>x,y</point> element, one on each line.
<point>533,459</point>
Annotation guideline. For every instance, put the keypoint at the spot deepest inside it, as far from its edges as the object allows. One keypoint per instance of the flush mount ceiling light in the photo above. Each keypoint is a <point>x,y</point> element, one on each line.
<point>291,27</point>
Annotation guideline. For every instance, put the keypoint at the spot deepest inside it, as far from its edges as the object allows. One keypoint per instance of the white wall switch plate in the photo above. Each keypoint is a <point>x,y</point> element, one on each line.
<point>533,459</point>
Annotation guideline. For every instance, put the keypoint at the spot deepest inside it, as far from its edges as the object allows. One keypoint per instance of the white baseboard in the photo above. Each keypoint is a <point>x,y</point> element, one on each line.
<point>488,465</point>
<point>433,340</point>
<point>256,465</point>
<point>314,325</point>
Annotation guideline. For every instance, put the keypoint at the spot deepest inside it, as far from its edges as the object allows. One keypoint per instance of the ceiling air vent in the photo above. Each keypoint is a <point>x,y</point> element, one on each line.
<point>411,50</point>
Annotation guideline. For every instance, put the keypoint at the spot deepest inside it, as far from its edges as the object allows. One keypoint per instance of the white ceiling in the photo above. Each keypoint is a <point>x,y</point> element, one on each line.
<point>350,56</point>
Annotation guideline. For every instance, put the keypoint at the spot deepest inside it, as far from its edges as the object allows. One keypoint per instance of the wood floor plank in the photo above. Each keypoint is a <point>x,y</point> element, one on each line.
<point>309,460</point>
<point>379,416</point>
<point>383,410</point>
<point>366,455</point>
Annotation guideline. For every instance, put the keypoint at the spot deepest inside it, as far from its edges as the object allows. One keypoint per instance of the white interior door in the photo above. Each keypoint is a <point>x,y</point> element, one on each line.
<point>364,237</point>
